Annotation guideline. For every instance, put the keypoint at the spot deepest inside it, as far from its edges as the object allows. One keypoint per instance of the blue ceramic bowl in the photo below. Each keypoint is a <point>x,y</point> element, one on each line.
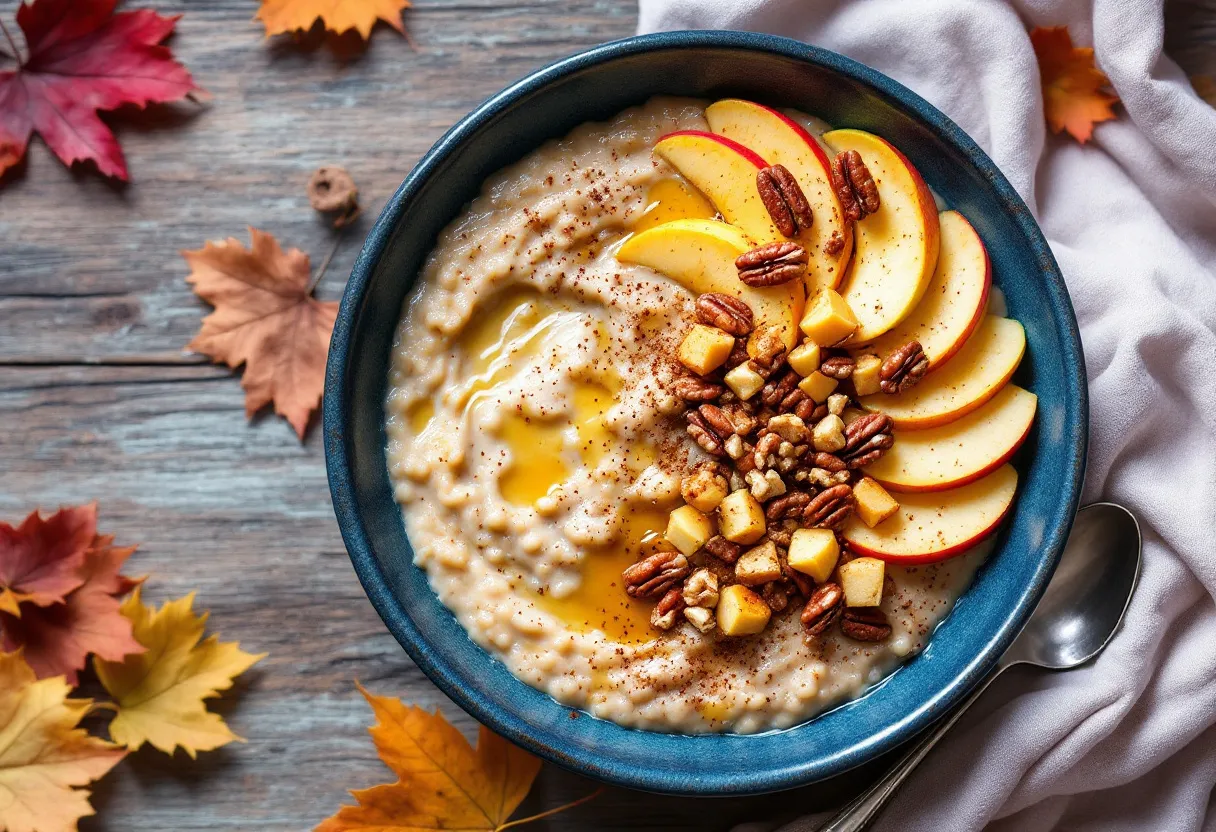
<point>594,85</point>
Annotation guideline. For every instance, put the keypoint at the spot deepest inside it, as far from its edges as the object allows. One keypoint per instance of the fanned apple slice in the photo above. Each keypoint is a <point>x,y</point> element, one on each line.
<point>725,171</point>
<point>700,255</point>
<point>939,525</point>
<point>982,367</point>
<point>955,302</point>
<point>961,452</point>
<point>782,141</point>
<point>894,249</point>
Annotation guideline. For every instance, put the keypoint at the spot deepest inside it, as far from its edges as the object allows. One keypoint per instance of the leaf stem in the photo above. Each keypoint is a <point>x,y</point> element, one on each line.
<point>570,805</point>
<point>328,259</point>
<point>16,56</point>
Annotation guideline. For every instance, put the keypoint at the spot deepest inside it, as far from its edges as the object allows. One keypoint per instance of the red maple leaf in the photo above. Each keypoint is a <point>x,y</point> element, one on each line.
<point>82,58</point>
<point>41,560</point>
<point>58,638</point>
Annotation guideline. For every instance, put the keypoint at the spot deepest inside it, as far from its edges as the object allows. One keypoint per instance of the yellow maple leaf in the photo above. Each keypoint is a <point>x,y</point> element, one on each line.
<point>444,782</point>
<point>1074,98</point>
<point>339,16</point>
<point>44,757</point>
<point>159,694</point>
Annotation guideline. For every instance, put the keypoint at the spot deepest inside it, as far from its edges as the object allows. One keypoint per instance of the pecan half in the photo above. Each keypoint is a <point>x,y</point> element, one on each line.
<point>784,200</point>
<point>664,614</point>
<point>727,313</point>
<point>745,423</point>
<point>829,508</point>
<point>772,264</point>
<point>865,624</point>
<point>903,368</point>
<point>790,504</point>
<point>738,354</point>
<point>806,410</point>
<point>822,609</point>
<point>838,367</point>
<point>717,419</point>
<point>854,185</point>
<point>696,389</point>
<point>830,462</point>
<point>705,436</point>
<point>653,576</point>
<point>866,439</point>
<point>773,393</point>
<point>723,549</point>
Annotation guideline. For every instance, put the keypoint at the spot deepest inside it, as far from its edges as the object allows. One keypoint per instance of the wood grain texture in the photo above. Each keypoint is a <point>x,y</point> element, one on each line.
<point>99,401</point>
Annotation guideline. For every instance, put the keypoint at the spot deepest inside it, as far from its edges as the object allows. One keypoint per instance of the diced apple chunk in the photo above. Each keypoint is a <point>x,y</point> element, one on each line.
<point>704,489</point>
<point>741,517</point>
<point>759,565</point>
<point>861,579</point>
<point>705,349</point>
<point>828,319</point>
<point>865,374</point>
<point>818,386</point>
<point>688,529</point>
<point>872,502</point>
<point>741,612</point>
<point>804,359</point>
<point>744,381</point>
<point>814,552</point>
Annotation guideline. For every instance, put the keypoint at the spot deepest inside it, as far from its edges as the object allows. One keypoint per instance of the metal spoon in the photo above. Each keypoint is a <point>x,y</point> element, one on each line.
<point>1073,622</point>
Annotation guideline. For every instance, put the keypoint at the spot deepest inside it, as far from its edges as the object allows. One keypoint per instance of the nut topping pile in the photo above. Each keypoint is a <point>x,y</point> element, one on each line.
<point>786,442</point>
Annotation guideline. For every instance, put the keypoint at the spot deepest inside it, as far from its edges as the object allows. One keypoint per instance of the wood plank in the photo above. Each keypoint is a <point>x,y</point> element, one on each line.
<point>91,270</point>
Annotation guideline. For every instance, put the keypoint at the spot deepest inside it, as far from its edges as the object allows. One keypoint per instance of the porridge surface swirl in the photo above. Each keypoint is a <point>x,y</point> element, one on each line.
<point>536,451</point>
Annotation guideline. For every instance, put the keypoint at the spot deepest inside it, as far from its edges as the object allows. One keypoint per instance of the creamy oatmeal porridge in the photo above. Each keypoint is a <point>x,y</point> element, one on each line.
<point>541,433</point>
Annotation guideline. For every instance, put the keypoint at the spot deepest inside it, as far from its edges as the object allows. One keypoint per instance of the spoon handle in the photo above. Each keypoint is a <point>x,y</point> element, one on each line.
<point>862,811</point>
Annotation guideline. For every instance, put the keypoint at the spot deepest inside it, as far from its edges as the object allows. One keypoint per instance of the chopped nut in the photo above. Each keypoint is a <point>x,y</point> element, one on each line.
<point>775,596</point>
<point>701,589</point>
<point>789,427</point>
<point>663,616</point>
<point>828,435</point>
<point>701,618</point>
<point>838,367</point>
<point>837,402</point>
<point>734,446</point>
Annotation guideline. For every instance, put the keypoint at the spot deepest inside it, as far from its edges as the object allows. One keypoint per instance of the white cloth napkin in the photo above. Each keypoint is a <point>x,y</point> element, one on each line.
<point>1130,743</point>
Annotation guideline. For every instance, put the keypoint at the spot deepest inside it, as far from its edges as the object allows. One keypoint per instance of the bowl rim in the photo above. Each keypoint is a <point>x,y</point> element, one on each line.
<point>426,656</point>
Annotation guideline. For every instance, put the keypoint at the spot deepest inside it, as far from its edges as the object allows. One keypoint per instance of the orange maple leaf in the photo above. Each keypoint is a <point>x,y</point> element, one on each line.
<point>339,16</point>
<point>1074,98</point>
<point>444,783</point>
<point>266,319</point>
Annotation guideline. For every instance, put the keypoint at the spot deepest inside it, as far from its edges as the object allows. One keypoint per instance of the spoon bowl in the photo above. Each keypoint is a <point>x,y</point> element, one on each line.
<point>1088,594</point>
<point>1073,622</point>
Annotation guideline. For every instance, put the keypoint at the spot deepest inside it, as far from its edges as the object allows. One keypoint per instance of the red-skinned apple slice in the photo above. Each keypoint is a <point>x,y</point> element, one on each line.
<point>955,302</point>
<point>725,171</point>
<point>961,452</point>
<point>700,255</point>
<point>894,249</point>
<point>977,373</point>
<point>782,141</point>
<point>938,525</point>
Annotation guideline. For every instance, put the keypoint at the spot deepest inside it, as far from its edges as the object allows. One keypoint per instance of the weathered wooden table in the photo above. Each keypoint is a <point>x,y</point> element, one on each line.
<point>99,401</point>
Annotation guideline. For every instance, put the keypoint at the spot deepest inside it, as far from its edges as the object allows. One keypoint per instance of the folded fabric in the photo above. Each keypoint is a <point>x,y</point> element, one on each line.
<point>1128,743</point>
